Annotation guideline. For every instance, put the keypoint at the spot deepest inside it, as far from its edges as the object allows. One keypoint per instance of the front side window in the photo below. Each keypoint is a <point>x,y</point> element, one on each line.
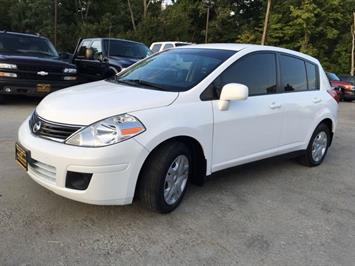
<point>96,47</point>
<point>293,74</point>
<point>82,49</point>
<point>26,45</point>
<point>256,71</point>
<point>174,70</point>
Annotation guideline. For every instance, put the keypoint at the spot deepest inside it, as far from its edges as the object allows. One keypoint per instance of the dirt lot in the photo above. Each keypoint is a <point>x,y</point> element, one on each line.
<point>274,212</point>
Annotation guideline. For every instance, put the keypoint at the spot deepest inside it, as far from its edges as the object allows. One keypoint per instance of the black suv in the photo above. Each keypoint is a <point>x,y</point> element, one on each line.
<point>100,58</point>
<point>30,65</point>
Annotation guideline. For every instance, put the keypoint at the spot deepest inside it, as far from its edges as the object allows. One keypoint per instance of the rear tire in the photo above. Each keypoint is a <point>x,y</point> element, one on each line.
<point>164,177</point>
<point>318,146</point>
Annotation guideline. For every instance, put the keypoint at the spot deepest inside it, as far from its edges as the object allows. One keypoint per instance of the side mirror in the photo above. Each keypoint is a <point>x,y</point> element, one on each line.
<point>232,92</point>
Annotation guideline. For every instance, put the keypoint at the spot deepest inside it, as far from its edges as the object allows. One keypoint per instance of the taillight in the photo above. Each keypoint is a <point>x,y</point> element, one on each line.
<point>335,94</point>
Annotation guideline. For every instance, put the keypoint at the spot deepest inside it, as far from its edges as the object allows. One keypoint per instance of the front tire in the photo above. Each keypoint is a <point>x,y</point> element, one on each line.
<point>317,147</point>
<point>164,177</point>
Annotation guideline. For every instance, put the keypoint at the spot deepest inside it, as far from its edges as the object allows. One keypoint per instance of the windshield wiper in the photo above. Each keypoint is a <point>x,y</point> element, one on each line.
<point>141,82</point>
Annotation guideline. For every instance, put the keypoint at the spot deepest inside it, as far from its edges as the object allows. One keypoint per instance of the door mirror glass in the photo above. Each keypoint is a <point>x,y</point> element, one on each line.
<point>232,92</point>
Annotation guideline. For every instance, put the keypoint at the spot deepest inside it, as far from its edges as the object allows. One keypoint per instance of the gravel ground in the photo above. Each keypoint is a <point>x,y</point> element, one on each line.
<point>274,212</point>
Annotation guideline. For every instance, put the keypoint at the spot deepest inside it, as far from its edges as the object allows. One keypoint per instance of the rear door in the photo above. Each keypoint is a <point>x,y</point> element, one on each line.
<point>299,89</point>
<point>252,128</point>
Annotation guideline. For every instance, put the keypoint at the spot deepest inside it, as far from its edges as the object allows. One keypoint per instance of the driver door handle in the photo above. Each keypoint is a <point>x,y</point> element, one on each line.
<point>317,100</point>
<point>275,106</point>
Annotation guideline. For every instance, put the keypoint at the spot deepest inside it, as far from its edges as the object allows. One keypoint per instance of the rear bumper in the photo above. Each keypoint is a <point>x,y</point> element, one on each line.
<point>29,87</point>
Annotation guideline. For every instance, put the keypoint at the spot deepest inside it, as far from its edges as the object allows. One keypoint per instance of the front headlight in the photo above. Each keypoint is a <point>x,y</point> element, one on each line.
<point>69,70</point>
<point>107,132</point>
<point>8,66</point>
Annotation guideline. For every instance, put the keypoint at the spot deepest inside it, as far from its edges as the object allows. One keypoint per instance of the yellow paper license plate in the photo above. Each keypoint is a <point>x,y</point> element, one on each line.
<point>41,87</point>
<point>21,156</point>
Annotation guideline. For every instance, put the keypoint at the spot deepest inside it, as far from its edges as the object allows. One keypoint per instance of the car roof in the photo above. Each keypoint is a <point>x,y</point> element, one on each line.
<point>240,46</point>
<point>112,39</point>
<point>22,34</point>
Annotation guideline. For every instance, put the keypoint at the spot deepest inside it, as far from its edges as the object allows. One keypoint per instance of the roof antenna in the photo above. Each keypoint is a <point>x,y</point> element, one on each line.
<point>109,40</point>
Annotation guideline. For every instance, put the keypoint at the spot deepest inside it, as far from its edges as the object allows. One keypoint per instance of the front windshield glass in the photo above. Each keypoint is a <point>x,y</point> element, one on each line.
<point>127,49</point>
<point>26,45</point>
<point>178,69</point>
<point>332,76</point>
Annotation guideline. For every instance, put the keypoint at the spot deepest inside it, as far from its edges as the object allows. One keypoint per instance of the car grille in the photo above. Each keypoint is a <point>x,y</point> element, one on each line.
<point>51,130</point>
<point>43,170</point>
<point>30,72</point>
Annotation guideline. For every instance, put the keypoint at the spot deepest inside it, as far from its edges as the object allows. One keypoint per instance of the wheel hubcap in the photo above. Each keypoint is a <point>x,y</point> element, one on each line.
<point>176,179</point>
<point>319,146</point>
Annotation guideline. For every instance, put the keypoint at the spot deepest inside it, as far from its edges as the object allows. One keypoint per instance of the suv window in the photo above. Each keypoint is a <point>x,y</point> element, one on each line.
<point>257,71</point>
<point>156,48</point>
<point>97,47</point>
<point>293,74</point>
<point>312,76</point>
<point>82,50</point>
<point>168,46</point>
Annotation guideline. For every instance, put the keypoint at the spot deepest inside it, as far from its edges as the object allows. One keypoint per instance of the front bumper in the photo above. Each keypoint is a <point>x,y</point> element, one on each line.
<point>11,86</point>
<point>114,168</point>
<point>349,94</point>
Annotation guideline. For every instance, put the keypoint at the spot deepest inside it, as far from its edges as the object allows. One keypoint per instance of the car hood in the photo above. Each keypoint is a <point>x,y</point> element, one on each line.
<point>88,103</point>
<point>35,61</point>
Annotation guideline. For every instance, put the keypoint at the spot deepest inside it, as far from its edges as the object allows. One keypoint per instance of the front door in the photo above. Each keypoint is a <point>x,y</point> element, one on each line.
<point>248,129</point>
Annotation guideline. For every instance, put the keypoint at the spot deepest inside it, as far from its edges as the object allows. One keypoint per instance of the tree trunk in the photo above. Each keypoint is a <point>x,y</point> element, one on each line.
<point>352,71</point>
<point>131,14</point>
<point>146,4</point>
<point>266,22</point>
<point>207,21</point>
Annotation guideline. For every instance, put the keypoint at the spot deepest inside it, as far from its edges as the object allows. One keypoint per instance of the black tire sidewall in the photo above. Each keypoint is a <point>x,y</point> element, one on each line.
<point>320,128</point>
<point>167,161</point>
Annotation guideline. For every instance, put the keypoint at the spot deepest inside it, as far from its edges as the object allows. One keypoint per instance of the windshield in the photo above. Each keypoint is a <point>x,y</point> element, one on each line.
<point>122,48</point>
<point>174,70</point>
<point>26,45</point>
<point>332,76</point>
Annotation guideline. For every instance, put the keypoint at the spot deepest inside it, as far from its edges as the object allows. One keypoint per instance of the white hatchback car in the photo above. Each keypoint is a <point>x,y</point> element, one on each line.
<point>176,117</point>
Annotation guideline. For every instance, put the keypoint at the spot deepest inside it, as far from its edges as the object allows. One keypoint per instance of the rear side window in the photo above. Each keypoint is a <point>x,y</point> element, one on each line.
<point>293,74</point>
<point>168,46</point>
<point>312,76</point>
<point>156,48</point>
<point>257,71</point>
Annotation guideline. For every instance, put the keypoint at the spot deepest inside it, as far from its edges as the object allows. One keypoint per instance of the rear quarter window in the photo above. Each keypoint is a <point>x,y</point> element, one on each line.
<point>312,76</point>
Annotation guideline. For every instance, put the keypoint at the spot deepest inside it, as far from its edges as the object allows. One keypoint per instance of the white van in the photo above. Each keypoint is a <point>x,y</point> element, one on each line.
<point>156,47</point>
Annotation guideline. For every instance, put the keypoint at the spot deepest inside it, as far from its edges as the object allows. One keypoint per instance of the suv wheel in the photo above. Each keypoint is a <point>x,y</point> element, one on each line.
<point>317,147</point>
<point>164,177</point>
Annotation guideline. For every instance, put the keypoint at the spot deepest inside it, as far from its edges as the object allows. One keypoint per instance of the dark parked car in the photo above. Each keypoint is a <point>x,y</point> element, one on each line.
<point>30,65</point>
<point>345,88</point>
<point>100,58</point>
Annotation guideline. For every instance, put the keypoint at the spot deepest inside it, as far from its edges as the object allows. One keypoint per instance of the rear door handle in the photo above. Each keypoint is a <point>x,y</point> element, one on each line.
<point>317,100</point>
<point>275,106</point>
